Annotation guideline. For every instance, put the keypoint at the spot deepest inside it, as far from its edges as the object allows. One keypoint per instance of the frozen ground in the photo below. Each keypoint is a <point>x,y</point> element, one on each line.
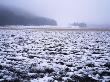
<point>54,56</point>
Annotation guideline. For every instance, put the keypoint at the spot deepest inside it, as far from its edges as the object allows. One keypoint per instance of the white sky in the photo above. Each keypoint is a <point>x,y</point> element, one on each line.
<point>67,11</point>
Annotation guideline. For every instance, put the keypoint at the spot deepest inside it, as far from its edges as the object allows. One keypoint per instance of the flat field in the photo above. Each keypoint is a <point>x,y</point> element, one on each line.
<point>54,55</point>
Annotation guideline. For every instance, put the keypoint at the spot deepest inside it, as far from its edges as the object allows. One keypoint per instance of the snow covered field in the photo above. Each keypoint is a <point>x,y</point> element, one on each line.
<point>54,56</point>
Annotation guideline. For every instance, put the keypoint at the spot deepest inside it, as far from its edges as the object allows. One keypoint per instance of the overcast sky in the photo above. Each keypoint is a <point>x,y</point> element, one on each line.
<point>67,11</point>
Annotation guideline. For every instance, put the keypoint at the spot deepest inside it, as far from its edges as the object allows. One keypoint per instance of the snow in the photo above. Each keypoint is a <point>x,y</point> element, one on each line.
<point>44,79</point>
<point>45,56</point>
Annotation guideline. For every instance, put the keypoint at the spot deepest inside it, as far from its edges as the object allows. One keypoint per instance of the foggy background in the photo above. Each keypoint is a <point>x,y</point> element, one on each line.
<point>91,12</point>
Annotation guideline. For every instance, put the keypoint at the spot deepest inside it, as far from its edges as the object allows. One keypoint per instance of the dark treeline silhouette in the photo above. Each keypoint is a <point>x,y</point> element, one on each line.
<point>13,17</point>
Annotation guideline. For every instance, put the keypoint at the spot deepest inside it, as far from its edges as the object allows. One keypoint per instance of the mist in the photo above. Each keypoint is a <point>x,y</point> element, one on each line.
<point>92,12</point>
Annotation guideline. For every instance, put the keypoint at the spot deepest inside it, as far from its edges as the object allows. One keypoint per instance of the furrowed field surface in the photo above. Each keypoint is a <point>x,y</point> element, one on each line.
<point>54,56</point>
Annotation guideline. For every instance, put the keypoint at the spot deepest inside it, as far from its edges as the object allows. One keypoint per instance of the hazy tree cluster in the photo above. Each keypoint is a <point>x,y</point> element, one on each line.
<point>9,17</point>
<point>79,24</point>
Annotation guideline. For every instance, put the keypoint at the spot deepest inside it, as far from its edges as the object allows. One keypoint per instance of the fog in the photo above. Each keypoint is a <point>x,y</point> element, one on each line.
<point>67,11</point>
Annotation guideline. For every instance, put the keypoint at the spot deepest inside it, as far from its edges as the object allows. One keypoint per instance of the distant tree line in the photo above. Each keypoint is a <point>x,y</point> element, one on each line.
<point>79,24</point>
<point>8,17</point>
